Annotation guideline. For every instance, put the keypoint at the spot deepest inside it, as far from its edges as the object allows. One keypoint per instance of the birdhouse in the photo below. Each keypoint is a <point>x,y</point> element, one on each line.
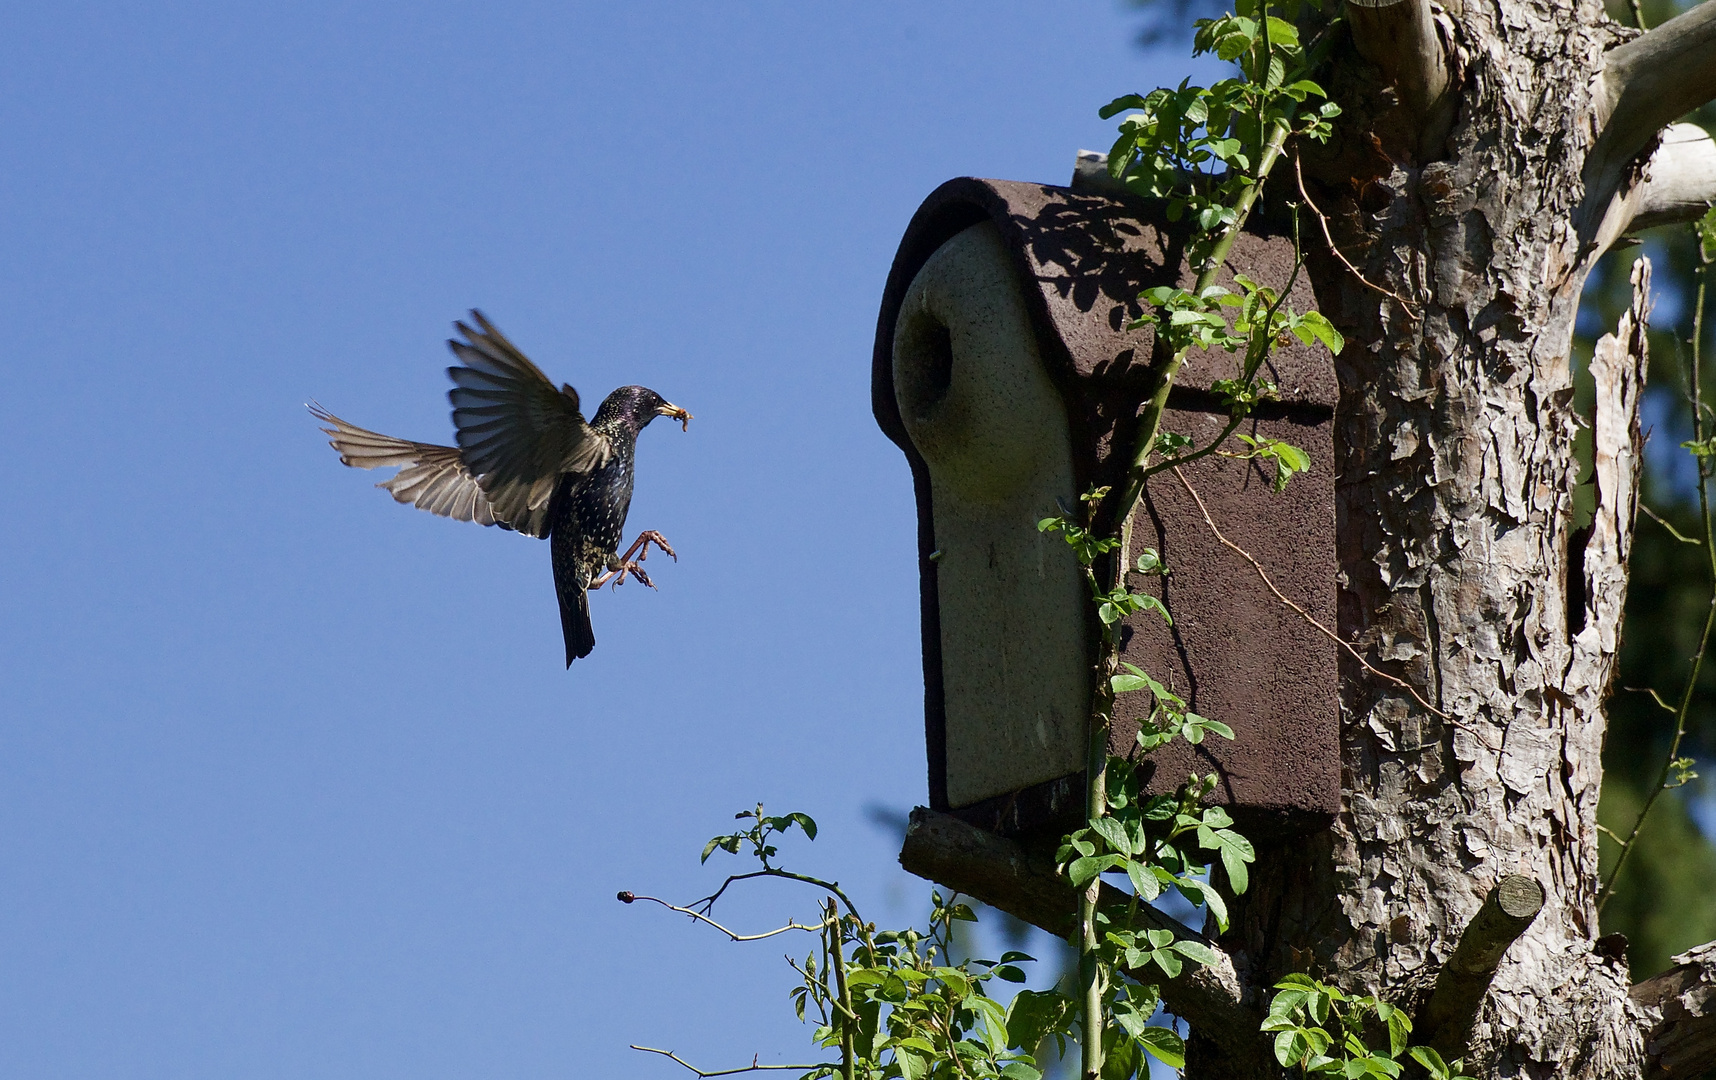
<point>1005,370</point>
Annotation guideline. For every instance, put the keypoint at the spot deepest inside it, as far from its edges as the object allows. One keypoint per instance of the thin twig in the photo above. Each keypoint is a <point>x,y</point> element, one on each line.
<point>707,904</point>
<point>1638,14</point>
<point>1186,459</point>
<point>1306,615</point>
<point>702,918</point>
<point>1672,531</point>
<point>752,1067</point>
<point>1324,222</point>
<point>1665,706</point>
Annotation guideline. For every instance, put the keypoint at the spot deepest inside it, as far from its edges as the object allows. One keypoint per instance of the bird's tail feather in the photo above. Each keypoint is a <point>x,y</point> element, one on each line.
<point>575,625</point>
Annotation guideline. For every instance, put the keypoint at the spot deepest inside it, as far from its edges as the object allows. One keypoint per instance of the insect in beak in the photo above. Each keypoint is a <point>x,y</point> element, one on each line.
<point>684,418</point>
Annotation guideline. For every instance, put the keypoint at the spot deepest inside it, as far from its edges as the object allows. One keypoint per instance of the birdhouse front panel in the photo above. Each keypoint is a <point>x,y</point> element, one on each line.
<point>1007,371</point>
<point>980,409</point>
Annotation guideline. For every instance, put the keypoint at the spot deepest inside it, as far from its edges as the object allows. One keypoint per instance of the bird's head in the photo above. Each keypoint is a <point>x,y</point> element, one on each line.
<point>638,405</point>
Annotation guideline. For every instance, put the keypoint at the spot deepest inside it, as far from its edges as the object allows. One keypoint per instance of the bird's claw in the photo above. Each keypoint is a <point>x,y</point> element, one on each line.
<point>621,565</point>
<point>618,574</point>
<point>644,540</point>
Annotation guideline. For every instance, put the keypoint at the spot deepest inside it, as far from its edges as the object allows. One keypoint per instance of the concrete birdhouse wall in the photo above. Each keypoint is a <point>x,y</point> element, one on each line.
<point>1005,372</point>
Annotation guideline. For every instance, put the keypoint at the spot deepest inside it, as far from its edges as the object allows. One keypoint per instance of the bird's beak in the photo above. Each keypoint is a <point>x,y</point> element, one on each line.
<point>684,418</point>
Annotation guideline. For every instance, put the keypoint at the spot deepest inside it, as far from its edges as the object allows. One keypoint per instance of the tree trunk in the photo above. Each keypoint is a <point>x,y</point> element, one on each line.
<point>1487,155</point>
<point>1461,569</point>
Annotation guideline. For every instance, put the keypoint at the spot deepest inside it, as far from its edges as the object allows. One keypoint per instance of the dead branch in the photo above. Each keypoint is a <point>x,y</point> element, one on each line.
<point>1399,36</point>
<point>1680,1015</point>
<point>752,1067</point>
<point>1446,1020</point>
<point>1680,180</point>
<point>1650,82</point>
<point>697,916</point>
<point>1677,183</point>
<point>1002,874</point>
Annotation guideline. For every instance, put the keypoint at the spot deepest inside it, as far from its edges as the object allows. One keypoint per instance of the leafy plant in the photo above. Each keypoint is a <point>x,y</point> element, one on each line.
<point>1206,152</point>
<point>889,1003</point>
<point>1320,1031</point>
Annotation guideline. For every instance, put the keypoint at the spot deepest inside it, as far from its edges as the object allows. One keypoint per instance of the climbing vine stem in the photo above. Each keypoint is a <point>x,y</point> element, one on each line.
<point>1207,153</point>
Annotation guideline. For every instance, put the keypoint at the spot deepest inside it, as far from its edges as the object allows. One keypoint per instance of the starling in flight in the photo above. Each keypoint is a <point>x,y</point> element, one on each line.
<point>527,462</point>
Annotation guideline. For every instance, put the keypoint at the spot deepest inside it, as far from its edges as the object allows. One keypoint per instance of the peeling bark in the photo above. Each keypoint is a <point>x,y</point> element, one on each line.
<point>1455,520</point>
<point>1680,1007</point>
<point>1460,572</point>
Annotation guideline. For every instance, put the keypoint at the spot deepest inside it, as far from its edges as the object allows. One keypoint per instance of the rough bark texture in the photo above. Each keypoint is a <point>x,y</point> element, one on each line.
<point>1461,571</point>
<point>1461,568</point>
<point>1681,1004</point>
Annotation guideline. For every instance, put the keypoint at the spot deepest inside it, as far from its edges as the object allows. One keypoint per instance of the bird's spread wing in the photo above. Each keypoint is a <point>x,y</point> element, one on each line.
<point>432,478</point>
<point>518,434</point>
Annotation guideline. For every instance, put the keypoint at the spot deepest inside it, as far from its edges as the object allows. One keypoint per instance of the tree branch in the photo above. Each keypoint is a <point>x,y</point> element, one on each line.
<point>1677,183</point>
<point>1002,874</point>
<point>1399,36</point>
<point>1680,1009</point>
<point>1680,181</point>
<point>1446,1020</point>
<point>752,1067</point>
<point>632,898</point>
<point>1652,81</point>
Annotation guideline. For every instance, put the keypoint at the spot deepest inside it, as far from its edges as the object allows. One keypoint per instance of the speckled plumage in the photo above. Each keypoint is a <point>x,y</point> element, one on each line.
<point>526,461</point>
<point>588,517</point>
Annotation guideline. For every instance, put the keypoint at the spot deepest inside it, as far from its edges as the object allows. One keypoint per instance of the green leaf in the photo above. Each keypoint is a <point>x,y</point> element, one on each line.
<point>1083,870</point>
<point>1146,602</point>
<point>1217,906</point>
<point>1235,851</point>
<point>1324,331</point>
<point>1113,832</point>
<point>1399,1027</point>
<point>1120,105</point>
<point>1212,725</point>
<point>911,1066</point>
<point>1164,1045</point>
<point>1290,1047</point>
<point>1018,1070</point>
<point>1143,880</point>
<point>993,1029</point>
<point>1195,950</point>
<point>1034,1015</point>
<point>1125,684</point>
<point>1168,961</point>
<point>1431,1060</point>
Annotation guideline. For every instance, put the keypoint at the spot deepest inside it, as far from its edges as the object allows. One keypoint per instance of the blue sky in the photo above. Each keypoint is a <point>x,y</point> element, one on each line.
<point>292,782</point>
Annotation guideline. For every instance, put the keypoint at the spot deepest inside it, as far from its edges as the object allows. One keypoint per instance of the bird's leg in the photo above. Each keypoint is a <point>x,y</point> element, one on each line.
<point>621,565</point>
<point>644,540</point>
